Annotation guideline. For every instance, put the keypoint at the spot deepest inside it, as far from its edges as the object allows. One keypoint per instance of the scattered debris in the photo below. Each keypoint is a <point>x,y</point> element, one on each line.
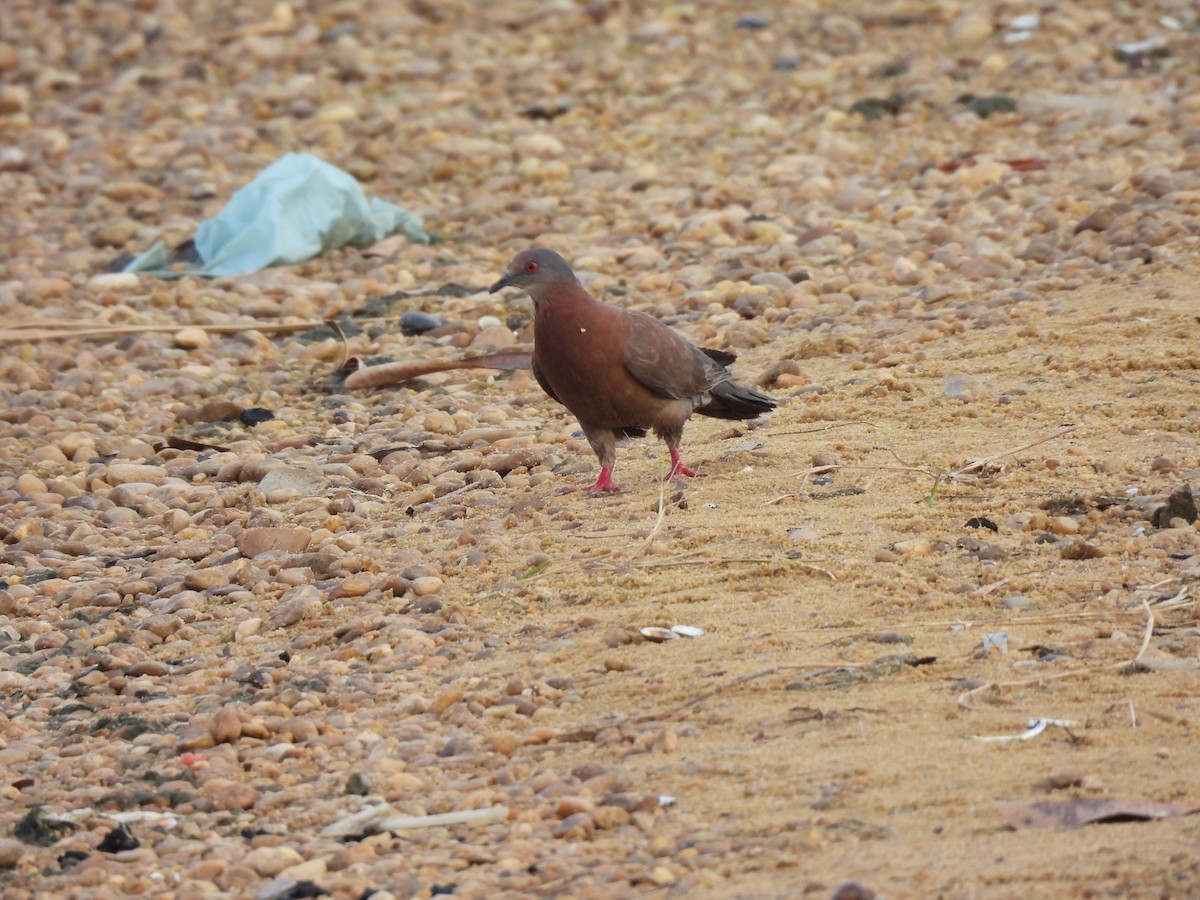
<point>1036,727</point>
<point>1074,813</point>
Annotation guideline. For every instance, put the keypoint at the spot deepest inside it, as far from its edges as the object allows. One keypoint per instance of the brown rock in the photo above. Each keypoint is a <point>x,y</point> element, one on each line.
<point>289,539</point>
<point>225,794</point>
<point>1100,220</point>
<point>11,852</point>
<point>227,726</point>
<point>1077,550</point>
<point>504,742</point>
<point>445,700</point>
<point>117,233</point>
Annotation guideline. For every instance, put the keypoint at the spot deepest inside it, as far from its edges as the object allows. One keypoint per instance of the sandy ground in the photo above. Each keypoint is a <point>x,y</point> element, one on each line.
<point>981,331</point>
<point>819,779</point>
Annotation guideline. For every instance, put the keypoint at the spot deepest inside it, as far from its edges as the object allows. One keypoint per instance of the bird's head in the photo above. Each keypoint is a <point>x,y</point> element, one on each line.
<point>534,271</point>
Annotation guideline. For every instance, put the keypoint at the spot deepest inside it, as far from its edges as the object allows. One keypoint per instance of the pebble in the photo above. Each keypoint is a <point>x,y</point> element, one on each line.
<point>115,281</point>
<point>428,584</point>
<point>439,422</point>
<point>227,726</point>
<point>971,29</point>
<point>270,861</point>
<point>414,323</point>
<point>191,339</point>
<point>225,794</point>
<point>540,145</point>
<point>284,483</point>
<point>284,538</point>
<point>1064,525</point>
<point>11,852</point>
<point>127,473</point>
<point>1016,601</point>
<point>297,605</point>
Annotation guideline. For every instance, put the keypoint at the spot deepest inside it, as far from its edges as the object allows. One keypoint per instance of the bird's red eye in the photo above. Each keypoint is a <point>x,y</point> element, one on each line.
<point>531,267</point>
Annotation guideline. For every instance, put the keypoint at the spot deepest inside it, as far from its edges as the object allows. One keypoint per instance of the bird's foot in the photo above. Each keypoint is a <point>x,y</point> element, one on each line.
<point>603,483</point>
<point>678,468</point>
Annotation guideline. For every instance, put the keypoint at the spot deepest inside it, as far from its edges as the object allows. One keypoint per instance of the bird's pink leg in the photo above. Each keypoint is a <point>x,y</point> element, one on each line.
<point>677,467</point>
<point>603,483</point>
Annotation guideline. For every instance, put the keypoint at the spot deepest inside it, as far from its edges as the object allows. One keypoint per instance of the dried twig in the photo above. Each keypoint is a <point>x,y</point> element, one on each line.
<point>53,331</point>
<point>1148,633</point>
<point>829,427</point>
<point>336,326</point>
<point>980,463</point>
<point>662,511</point>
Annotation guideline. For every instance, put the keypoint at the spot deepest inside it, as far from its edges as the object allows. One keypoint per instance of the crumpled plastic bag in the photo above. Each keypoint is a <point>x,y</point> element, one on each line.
<point>297,207</point>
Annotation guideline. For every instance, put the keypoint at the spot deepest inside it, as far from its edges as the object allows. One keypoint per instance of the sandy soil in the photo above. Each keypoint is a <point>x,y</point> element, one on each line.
<point>819,778</point>
<point>981,331</point>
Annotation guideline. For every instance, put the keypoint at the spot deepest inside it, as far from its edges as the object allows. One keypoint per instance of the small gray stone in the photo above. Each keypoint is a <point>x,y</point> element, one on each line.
<point>1016,601</point>
<point>287,479</point>
<point>297,605</point>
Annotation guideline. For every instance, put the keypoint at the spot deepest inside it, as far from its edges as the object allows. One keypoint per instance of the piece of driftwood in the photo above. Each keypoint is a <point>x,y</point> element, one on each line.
<point>359,376</point>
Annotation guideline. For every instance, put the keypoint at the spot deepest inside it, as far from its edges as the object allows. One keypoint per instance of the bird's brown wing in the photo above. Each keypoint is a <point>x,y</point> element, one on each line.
<point>666,362</point>
<point>541,379</point>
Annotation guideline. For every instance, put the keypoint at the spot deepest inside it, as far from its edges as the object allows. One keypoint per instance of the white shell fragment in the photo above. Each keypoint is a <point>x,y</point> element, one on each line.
<point>658,635</point>
<point>688,631</point>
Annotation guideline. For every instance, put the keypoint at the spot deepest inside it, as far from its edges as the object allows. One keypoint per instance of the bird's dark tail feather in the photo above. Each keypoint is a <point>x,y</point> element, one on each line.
<point>731,400</point>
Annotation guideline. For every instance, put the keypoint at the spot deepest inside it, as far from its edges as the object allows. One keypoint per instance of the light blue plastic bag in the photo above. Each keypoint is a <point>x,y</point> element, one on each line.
<point>297,208</point>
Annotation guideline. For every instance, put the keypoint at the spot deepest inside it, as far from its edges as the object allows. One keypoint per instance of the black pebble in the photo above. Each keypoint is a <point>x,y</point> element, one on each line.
<point>303,889</point>
<point>255,415</point>
<point>119,839</point>
<point>982,522</point>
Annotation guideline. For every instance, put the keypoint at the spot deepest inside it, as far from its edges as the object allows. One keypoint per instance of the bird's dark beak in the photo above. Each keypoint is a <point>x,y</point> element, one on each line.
<point>502,283</point>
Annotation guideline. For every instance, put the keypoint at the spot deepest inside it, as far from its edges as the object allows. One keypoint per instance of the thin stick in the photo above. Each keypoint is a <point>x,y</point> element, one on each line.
<point>980,463</point>
<point>662,511</point>
<point>829,427</point>
<point>1132,714</point>
<point>34,331</point>
<point>337,329</point>
<point>706,560</point>
<point>1149,632</point>
<point>928,472</point>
